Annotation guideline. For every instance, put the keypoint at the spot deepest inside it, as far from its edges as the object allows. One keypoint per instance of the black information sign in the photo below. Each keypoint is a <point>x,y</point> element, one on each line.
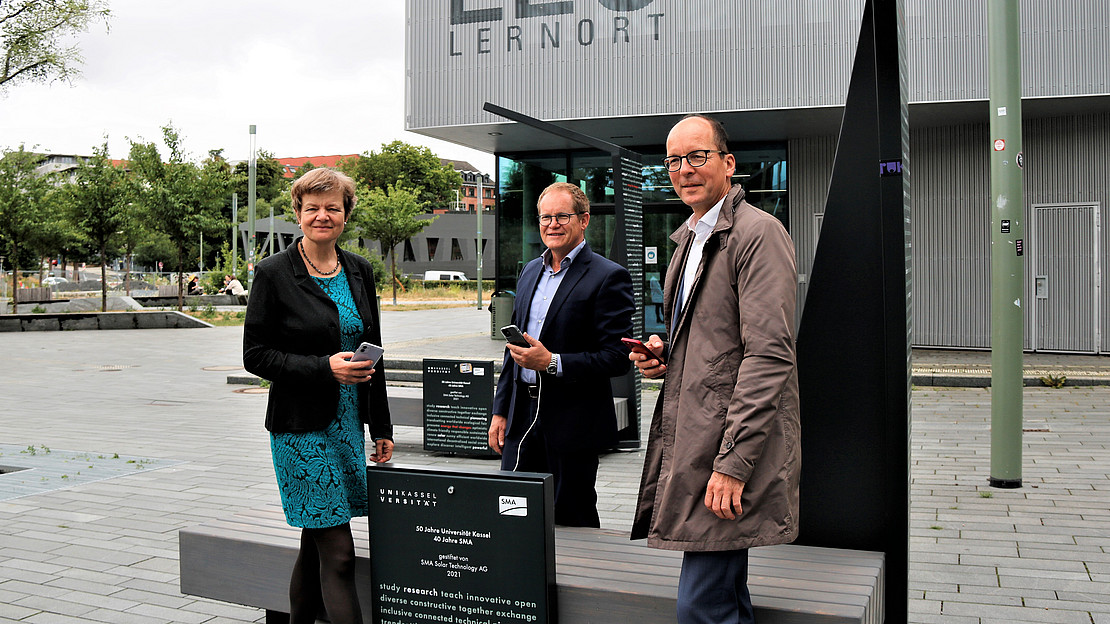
<point>1005,226</point>
<point>458,403</point>
<point>460,546</point>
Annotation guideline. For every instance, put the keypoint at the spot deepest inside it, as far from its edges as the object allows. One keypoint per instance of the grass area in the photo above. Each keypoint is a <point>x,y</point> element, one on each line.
<point>436,291</point>
<point>218,318</point>
<point>406,307</point>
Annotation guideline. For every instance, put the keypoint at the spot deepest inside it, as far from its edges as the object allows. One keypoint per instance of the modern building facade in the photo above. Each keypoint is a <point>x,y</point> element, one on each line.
<point>776,73</point>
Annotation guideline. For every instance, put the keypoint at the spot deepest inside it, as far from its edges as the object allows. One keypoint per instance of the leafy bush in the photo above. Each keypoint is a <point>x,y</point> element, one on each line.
<point>381,272</point>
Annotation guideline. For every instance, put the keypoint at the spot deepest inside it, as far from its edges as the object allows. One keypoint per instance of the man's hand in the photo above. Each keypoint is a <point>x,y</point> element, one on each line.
<point>497,433</point>
<point>650,367</point>
<point>383,451</point>
<point>722,496</point>
<point>535,357</point>
<point>347,372</point>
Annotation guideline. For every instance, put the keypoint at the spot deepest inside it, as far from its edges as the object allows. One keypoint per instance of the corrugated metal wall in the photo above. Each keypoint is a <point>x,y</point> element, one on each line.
<point>665,58</point>
<point>672,55</point>
<point>1067,161</point>
<point>811,162</point>
<point>951,236</point>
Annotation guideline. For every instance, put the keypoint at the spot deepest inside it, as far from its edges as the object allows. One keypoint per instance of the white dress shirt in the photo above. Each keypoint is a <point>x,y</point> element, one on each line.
<point>701,229</point>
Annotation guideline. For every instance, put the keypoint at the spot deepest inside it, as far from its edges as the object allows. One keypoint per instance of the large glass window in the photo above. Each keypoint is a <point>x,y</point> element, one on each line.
<point>520,181</point>
<point>762,171</point>
<point>760,168</point>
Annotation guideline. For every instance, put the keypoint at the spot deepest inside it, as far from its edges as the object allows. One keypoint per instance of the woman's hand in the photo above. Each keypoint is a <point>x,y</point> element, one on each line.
<point>347,372</point>
<point>383,451</point>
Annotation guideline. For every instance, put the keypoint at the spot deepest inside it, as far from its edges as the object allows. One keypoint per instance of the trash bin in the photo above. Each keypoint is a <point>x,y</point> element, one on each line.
<point>501,312</point>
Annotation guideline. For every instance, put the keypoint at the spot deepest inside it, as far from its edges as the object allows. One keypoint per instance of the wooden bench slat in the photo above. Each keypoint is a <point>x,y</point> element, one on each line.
<point>247,559</point>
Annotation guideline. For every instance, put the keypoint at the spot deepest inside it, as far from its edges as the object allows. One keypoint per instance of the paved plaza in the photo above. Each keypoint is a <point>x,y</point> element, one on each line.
<point>128,436</point>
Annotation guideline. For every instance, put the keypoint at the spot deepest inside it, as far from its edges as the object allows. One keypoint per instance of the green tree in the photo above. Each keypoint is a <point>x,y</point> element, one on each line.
<point>22,194</point>
<point>99,197</point>
<point>269,178</point>
<point>36,38</point>
<point>180,199</point>
<point>55,233</point>
<point>390,216</point>
<point>155,247</point>
<point>402,164</point>
<point>133,232</point>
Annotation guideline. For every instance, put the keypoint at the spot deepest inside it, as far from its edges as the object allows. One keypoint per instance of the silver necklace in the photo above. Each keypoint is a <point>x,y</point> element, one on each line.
<point>309,260</point>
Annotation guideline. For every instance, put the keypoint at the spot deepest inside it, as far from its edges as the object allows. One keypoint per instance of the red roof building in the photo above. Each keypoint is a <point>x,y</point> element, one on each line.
<point>291,165</point>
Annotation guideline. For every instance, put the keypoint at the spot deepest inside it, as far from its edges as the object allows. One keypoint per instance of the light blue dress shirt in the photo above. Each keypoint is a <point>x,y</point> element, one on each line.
<point>546,287</point>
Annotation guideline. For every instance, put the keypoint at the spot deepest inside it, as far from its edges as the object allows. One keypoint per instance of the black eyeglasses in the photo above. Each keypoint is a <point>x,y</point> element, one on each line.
<point>696,158</point>
<point>562,218</point>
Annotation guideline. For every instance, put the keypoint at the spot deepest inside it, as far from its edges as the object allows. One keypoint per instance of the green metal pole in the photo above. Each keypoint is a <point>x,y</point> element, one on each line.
<point>251,175</point>
<point>1007,241</point>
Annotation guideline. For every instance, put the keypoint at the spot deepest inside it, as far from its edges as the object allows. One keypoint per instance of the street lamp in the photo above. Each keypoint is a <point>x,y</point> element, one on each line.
<point>251,181</point>
<point>478,241</point>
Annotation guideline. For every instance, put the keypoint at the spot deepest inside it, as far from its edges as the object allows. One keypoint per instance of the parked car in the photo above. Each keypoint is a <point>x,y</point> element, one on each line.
<point>51,281</point>
<point>446,276</point>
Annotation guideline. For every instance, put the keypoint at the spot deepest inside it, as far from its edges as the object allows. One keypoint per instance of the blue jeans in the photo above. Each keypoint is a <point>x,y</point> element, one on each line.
<point>713,588</point>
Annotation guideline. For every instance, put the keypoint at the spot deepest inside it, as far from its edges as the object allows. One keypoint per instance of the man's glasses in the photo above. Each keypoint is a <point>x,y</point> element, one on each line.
<point>562,218</point>
<point>696,158</point>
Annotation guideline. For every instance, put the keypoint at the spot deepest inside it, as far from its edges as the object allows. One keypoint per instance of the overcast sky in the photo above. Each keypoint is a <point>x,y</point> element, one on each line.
<point>316,78</point>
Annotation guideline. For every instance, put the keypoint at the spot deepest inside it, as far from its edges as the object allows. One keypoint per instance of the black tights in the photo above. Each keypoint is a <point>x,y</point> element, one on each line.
<point>325,575</point>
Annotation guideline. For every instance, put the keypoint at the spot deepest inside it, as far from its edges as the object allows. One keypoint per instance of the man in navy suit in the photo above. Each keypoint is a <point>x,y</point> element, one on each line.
<point>553,410</point>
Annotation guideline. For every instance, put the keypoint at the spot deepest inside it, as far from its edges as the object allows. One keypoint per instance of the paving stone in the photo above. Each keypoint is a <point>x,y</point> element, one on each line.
<point>145,394</point>
<point>61,605</point>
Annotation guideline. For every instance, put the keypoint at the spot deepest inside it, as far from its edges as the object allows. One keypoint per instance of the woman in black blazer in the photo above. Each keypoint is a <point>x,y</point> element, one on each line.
<point>310,306</point>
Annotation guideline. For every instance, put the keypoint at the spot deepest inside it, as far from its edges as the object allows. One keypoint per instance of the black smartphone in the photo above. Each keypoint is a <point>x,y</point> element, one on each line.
<point>367,351</point>
<point>513,334</point>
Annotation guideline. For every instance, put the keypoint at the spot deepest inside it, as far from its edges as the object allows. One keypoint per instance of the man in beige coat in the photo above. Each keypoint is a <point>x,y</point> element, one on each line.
<point>723,457</point>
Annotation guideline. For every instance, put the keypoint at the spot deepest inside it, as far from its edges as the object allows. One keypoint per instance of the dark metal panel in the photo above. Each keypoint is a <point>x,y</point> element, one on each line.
<point>855,477</point>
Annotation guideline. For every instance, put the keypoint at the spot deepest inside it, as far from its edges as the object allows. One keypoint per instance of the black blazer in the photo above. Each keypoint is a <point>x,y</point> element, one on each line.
<point>588,316</point>
<point>291,330</point>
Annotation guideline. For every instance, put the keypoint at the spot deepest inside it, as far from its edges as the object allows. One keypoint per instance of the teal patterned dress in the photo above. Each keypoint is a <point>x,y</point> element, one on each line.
<point>322,474</point>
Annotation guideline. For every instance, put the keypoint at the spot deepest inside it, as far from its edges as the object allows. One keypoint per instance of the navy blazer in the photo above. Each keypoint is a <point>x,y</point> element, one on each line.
<point>590,313</point>
<point>292,328</point>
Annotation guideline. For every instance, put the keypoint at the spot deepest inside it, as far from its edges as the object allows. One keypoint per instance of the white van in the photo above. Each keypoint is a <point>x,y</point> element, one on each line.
<point>446,276</point>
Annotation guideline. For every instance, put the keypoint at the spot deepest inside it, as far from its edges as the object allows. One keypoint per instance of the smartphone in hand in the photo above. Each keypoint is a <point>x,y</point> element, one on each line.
<point>638,346</point>
<point>513,334</point>
<point>368,352</point>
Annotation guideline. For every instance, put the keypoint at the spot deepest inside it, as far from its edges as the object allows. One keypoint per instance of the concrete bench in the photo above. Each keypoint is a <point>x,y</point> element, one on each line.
<point>71,321</point>
<point>601,575</point>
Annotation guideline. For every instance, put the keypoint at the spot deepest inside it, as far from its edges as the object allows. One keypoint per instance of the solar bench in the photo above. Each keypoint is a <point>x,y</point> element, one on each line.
<point>602,576</point>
